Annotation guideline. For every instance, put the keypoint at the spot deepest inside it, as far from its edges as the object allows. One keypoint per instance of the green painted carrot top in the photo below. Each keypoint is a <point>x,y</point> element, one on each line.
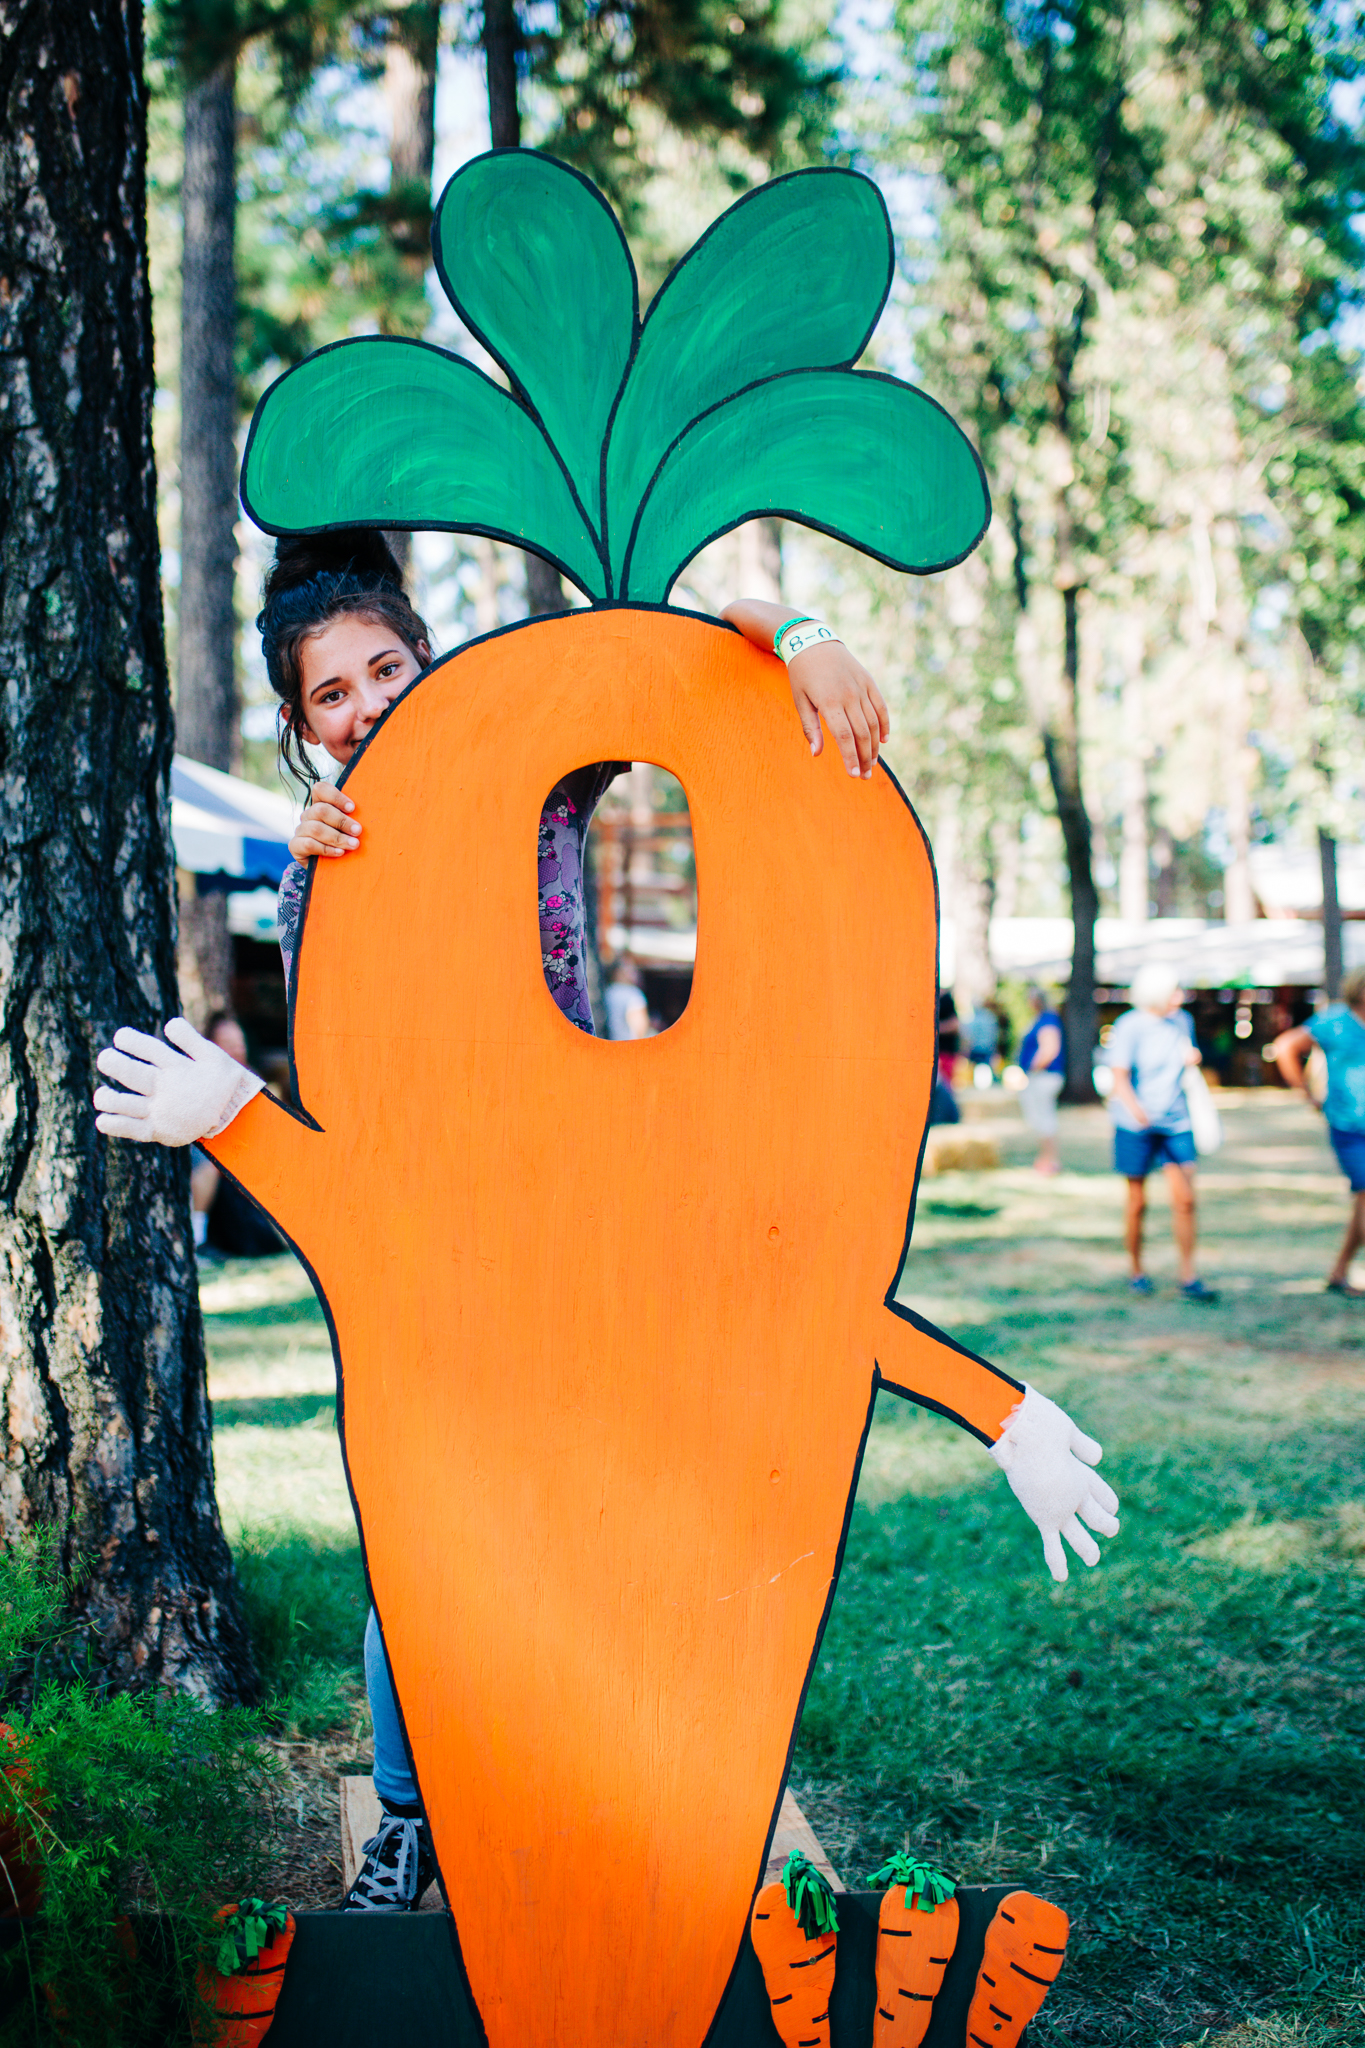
<point>622,445</point>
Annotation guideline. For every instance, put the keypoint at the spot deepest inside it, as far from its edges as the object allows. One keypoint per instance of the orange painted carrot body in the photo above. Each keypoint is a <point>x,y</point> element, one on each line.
<point>914,1949</point>
<point>798,1970</point>
<point>1024,1950</point>
<point>608,1316</point>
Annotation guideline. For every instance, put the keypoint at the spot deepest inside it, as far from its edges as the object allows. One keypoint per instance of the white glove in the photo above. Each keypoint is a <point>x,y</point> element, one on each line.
<point>1047,1461</point>
<point>178,1097</point>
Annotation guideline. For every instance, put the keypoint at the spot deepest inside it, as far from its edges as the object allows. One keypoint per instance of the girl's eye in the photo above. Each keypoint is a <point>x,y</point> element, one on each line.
<point>390,668</point>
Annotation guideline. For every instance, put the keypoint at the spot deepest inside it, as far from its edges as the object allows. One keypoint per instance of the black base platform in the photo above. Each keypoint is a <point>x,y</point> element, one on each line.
<point>357,1978</point>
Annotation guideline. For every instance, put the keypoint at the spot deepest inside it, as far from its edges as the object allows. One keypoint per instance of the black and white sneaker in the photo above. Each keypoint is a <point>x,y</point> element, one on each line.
<point>397,1869</point>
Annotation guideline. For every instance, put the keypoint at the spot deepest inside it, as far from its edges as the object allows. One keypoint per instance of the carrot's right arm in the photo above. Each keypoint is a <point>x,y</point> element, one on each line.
<point>1047,1460</point>
<point>918,1362</point>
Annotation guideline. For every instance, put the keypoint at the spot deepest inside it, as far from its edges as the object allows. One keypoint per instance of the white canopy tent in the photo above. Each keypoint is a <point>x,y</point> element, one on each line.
<point>1205,952</point>
<point>233,837</point>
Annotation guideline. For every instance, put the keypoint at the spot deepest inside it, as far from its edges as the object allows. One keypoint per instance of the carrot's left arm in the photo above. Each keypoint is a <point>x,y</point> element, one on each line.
<point>1047,1460</point>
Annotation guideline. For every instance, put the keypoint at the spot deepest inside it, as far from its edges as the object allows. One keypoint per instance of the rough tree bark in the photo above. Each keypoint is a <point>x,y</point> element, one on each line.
<point>101,1347</point>
<point>501,43</point>
<point>206,693</point>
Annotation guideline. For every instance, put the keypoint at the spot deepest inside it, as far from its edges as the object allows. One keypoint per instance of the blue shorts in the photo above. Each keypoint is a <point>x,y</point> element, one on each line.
<point>1349,1147</point>
<point>1137,1152</point>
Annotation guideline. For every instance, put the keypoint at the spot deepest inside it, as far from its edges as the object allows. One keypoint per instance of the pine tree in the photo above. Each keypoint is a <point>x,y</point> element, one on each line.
<point>102,1357</point>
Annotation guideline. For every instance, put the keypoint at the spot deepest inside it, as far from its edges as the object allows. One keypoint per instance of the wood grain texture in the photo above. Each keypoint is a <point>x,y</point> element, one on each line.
<point>608,1316</point>
<point>794,1831</point>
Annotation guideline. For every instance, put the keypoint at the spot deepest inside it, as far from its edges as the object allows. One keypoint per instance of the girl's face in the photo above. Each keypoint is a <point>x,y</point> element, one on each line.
<point>351,672</point>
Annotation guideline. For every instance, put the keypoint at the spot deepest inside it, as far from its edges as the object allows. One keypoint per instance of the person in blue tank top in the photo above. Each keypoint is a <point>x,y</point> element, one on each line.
<point>1340,1031</point>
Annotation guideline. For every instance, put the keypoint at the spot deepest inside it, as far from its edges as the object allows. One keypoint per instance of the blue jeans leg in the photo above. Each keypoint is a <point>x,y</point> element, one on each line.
<point>393,1779</point>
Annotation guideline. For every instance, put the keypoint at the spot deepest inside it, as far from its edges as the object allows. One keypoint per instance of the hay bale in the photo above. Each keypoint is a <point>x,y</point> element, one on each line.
<point>952,1150</point>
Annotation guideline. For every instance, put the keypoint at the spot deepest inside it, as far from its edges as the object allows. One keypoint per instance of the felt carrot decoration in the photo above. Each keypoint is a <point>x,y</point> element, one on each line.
<point>916,1936</point>
<point>794,1929</point>
<point>21,1870</point>
<point>1024,1950</point>
<point>243,1987</point>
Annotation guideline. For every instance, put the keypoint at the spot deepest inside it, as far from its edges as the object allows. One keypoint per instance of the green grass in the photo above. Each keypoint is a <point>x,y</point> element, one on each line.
<point>1169,1746</point>
<point>282,1490</point>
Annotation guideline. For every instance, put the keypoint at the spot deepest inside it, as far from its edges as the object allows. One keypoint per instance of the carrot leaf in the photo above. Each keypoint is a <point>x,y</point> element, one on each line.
<point>533,260</point>
<point>382,431</point>
<point>926,1886</point>
<point>248,1928</point>
<point>810,1896</point>
<point>861,456</point>
<point>794,276</point>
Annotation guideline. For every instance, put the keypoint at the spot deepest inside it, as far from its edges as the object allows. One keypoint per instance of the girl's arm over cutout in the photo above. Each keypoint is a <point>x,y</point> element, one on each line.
<point>827,684</point>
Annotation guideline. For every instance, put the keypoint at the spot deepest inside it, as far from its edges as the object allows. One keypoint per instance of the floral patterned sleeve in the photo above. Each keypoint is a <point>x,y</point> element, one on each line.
<point>289,912</point>
<point>563,909</point>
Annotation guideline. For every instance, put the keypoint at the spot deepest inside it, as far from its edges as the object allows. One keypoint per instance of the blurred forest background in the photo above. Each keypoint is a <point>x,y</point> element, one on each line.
<point>1130,265</point>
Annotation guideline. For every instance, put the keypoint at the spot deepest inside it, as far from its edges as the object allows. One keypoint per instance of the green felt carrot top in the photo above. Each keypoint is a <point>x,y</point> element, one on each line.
<point>248,1928</point>
<point>810,1896</point>
<point>925,1885</point>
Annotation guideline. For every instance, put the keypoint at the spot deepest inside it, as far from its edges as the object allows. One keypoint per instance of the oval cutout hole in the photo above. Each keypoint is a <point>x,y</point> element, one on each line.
<point>618,914</point>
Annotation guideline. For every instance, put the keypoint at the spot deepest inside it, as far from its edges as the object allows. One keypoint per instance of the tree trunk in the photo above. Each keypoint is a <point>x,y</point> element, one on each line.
<point>1331,916</point>
<point>544,588</point>
<point>1134,879</point>
<point>206,693</point>
<point>760,560</point>
<point>1062,751</point>
<point>501,42</point>
<point>101,1347</point>
<point>410,98</point>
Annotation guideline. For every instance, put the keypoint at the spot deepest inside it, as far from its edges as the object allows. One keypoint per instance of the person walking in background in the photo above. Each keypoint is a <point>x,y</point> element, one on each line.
<point>627,1010</point>
<point>949,1037</point>
<point>1150,1049</point>
<point>227,1223</point>
<point>1340,1031</point>
<point>1042,1055</point>
<point>943,1107</point>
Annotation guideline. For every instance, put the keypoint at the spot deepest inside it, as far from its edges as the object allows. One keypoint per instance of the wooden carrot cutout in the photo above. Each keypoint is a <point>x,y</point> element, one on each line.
<point>916,1936</point>
<point>795,1930</point>
<point>610,1319</point>
<point>1024,1950</point>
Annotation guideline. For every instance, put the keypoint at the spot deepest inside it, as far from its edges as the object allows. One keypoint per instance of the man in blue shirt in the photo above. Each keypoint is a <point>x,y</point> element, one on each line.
<point>1150,1048</point>
<point>1340,1031</point>
<point>1043,1059</point>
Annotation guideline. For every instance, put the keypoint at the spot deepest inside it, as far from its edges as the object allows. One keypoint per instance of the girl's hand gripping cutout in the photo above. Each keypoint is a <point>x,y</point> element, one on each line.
<point>326,827</point>
<point>1048,1461</point>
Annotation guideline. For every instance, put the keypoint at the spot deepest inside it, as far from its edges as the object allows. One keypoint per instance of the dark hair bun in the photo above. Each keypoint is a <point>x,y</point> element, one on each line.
<point>359,551</point>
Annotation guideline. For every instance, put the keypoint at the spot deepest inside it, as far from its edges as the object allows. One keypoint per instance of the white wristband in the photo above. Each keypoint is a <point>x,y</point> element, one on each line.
<point>801,634</point>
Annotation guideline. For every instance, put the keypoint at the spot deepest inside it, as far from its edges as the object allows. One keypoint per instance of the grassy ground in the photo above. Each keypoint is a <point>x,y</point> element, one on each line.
<point>1170,1746</point>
